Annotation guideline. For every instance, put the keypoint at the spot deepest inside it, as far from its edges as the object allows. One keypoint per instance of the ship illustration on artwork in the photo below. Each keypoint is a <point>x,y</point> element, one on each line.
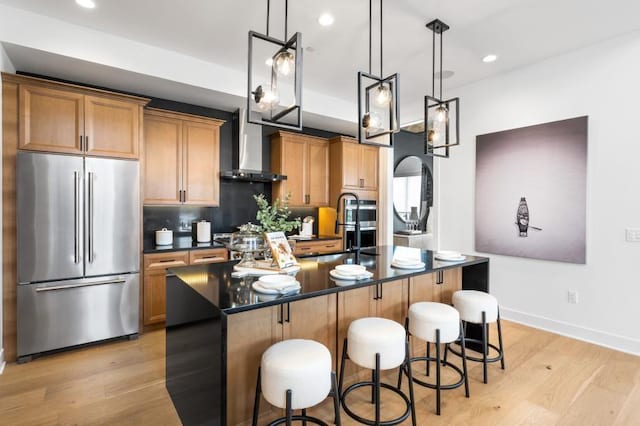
<point>522,218</point>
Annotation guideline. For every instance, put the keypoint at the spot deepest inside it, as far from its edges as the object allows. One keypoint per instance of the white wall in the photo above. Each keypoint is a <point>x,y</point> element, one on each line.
<point>603,82</point>
<point>5,65</point>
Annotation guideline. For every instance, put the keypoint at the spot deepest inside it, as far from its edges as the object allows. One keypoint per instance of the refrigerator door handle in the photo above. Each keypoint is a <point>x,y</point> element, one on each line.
<point>65,287</point>
<point>76,213</point>
<point>90,217</point>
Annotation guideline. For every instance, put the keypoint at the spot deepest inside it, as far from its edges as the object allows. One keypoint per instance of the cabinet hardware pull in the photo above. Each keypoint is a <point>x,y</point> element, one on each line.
<point>380,291</point>
<point>167,260</point>
<point>288,312</point>
<point>281,315</point>
<point>86,143</point>
<point>184,196</point>
<point>80,143</point>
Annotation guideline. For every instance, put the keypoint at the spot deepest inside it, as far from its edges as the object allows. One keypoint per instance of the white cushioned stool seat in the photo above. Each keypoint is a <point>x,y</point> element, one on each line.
<point>471,304</point>
<point>427,317</point>
<point>304,366</point>
<point>369,336</point>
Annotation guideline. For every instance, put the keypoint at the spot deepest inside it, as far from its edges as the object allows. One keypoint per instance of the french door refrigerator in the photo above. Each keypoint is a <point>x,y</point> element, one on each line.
<point>78,250</point>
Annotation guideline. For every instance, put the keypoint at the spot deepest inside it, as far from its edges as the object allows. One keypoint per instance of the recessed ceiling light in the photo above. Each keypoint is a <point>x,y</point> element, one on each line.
<point>326,19</point>
<point>489,58</point>
<point>89,4</point>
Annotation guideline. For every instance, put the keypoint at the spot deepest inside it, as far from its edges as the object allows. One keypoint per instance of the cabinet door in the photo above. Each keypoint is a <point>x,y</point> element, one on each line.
<point>421,288</point>
<point>162,160</point>
<point>350,164</point>
<point>201,164</point>
<point>112,127</point>
<point>250,334</point>
<point>155,302</point>
<point>318,173</point>
<point>294,165</point>
<point>450,281</point>
<point>392,300</point>
<point>50,120</point>
<point>313,319</point>
<point>368,167</point>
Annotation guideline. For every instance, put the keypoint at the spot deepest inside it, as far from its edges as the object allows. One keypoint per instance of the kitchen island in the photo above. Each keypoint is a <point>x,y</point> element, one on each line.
<point>217,326</point>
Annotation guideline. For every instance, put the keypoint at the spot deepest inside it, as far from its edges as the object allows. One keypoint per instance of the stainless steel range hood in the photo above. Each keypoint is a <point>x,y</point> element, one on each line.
<point>247,152</point>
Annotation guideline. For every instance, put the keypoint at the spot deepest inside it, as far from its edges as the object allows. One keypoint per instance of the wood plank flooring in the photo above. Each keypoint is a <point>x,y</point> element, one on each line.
<point>549,380</point>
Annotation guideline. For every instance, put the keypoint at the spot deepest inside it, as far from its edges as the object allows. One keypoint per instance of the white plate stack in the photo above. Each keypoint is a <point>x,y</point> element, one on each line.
<point>276,284</point>
<point>350,273</point>
<point>407,263</point>
<point>449,256</point>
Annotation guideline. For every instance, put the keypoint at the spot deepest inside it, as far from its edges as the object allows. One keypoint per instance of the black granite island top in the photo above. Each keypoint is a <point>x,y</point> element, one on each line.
<point>215,283</point>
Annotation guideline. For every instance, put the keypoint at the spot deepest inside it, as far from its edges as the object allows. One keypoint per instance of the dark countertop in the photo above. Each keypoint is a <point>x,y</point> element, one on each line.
<point>215,283</point>
<point>317,238</point>
<point>180,242</point>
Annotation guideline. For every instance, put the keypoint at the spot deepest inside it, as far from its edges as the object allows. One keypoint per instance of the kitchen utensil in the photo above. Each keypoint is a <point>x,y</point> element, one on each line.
<point>164,237</point>
<point>307,226</point>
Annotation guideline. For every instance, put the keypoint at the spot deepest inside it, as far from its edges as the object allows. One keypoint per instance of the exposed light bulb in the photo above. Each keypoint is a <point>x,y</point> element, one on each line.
<point>382,97</point>
<point>433,135</point>
<point>264,98</point>
<point>442,113</point>
<point>283,63</point>
<point>372,121</point>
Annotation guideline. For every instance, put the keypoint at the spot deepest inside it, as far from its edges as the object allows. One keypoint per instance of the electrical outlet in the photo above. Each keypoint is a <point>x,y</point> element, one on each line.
<point>572,297</point>
<point>633,235</point>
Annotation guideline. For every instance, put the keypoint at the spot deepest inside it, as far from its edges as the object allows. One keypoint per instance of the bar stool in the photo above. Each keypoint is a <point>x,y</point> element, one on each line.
<point>478,307</point>
<point>377,344</point>
<point>295,375</point>
<point>439,324</point>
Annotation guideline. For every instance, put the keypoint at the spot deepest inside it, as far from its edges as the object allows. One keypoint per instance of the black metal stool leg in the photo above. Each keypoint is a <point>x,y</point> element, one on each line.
<point>410,379</point>
<point>256,401</point>
<point>336,400</point>
<point>428,357</point>
<point>485,349</point>
<point>304,414</point>
<point>464,361</point>
<point>500,341</point>
<point>373,390</point>
<point>377,389</point>
<point>438,371</point>
<point>344,357</point>
<point>288,408</point>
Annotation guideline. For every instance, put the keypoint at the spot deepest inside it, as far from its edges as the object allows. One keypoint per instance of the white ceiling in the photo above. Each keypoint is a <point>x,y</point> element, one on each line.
<point>520,32</point>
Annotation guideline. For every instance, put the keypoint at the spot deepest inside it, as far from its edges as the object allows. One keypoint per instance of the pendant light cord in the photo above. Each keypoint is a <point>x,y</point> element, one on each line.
<point>370,19</point>
<point>381,74</point>
<point>268,10</point>
<point>286,21</point>
<point>433,63</point>
<point>441,64</point>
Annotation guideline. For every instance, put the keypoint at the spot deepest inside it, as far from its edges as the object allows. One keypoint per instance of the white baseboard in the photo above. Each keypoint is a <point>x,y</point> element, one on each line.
<point>2,363</point>
<point>608,340</point>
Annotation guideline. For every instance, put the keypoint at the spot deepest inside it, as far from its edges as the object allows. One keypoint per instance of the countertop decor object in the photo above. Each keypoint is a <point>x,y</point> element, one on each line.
<point>275,217</point>
<point>164,237</point>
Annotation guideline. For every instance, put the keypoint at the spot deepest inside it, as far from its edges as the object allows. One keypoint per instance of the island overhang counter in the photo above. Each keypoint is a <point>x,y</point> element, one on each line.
<point>217,326</point>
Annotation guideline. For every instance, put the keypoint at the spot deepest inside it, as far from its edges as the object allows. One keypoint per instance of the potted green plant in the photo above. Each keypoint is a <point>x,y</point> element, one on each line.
<point>275,217</point>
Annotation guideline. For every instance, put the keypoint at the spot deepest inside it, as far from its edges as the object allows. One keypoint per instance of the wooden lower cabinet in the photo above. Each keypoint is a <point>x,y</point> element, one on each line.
<point>252,332</point>
<point>154,281</point>
<point>387,300</point>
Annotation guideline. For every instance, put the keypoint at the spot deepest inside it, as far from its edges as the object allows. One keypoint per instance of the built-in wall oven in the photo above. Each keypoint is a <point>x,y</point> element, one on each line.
<point>368,215</point>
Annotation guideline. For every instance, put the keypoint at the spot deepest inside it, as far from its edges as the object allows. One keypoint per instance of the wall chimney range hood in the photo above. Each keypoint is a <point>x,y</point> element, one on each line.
<point>247,152</point>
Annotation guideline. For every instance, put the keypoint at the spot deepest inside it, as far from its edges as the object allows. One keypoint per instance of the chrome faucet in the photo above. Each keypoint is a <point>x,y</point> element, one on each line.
<point>356,247</point>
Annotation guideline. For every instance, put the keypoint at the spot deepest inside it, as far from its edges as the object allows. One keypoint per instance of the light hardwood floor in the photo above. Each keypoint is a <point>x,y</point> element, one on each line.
<point>549,380</point>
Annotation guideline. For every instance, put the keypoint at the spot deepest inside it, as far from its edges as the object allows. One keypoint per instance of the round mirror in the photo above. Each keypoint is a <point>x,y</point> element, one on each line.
<point>410,184</point>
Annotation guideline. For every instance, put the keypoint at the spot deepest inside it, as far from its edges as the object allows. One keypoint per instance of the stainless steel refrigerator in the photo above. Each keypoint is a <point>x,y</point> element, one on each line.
<point>78,250</point>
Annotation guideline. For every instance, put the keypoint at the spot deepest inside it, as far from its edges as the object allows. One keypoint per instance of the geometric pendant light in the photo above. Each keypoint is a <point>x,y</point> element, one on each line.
<point>441,117</point>
<point>377,101</point>
<point>274,89</point>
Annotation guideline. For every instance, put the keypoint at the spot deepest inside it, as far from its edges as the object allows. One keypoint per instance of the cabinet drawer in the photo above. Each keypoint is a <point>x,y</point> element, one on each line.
<point>197,257</point>
<point>329,246</point>
<point>165,260</point>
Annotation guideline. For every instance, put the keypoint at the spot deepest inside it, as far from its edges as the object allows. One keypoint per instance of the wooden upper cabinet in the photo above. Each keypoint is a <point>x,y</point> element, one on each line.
<point>162,160</point>
<point>70,119</point>
<point>354,168</point>
<point>181,159</point>
<point>50,119</point>
<point>112,127</point>
<point>201,157</point>
<point>305,161</point>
